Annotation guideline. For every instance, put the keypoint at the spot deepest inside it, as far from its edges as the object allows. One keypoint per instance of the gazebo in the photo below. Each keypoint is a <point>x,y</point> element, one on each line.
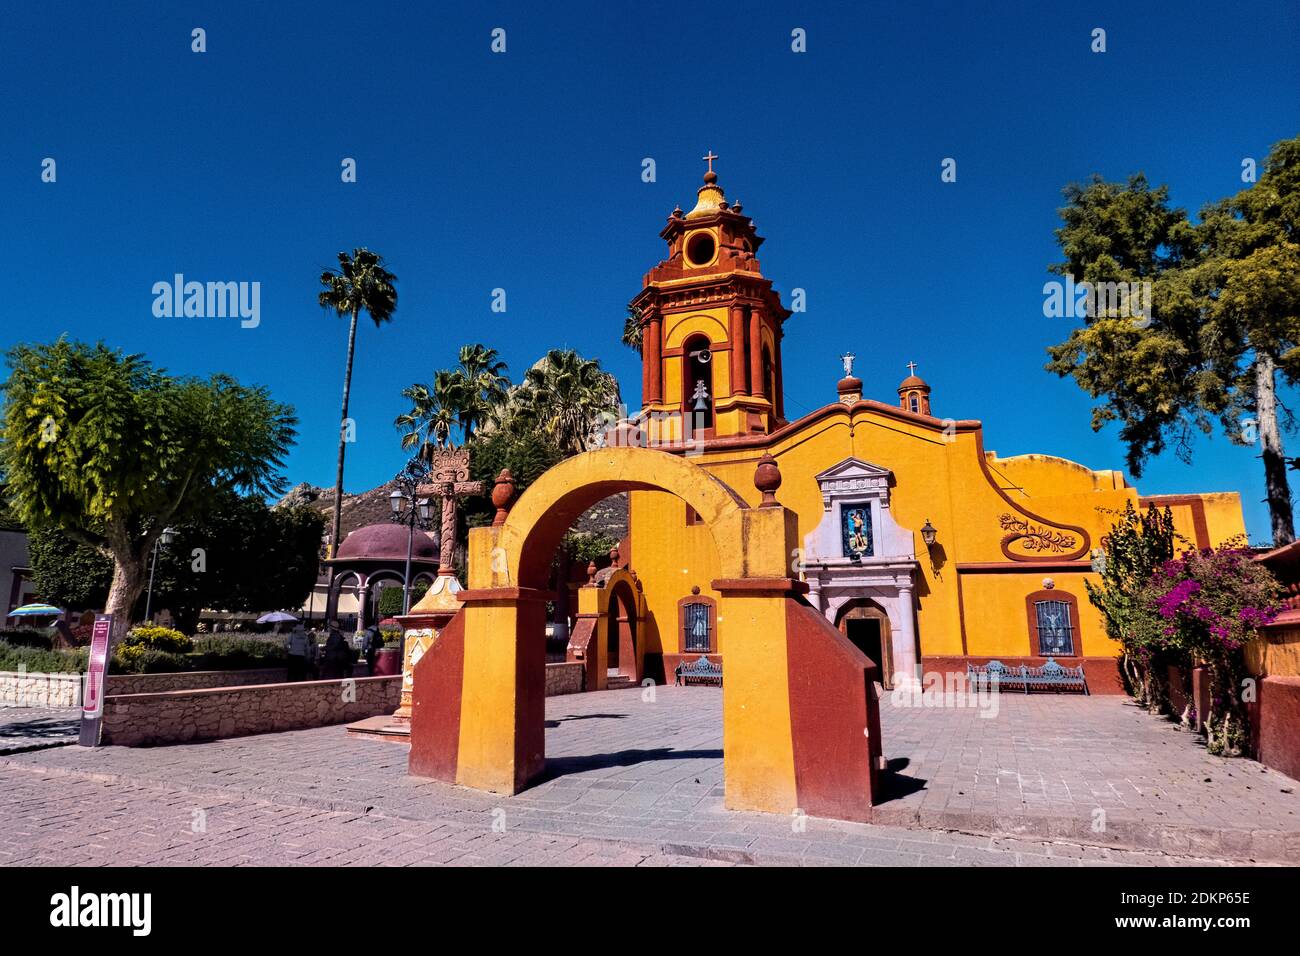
<point>373,554</point>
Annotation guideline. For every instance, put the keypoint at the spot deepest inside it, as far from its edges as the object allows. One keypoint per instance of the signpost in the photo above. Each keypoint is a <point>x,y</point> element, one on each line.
<point>92,700</point>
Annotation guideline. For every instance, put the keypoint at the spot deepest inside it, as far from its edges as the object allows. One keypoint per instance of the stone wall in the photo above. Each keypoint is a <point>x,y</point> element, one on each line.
<point>191,680</point>
<point>136,720</point>
<point>38,689</point>
<point>564,678</point>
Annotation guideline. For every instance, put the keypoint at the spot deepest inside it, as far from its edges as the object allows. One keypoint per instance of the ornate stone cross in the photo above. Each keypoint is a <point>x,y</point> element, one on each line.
<point>449,469</point>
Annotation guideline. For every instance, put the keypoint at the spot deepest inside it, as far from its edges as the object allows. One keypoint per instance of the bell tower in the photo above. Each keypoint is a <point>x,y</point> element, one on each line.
<point>711,327</point>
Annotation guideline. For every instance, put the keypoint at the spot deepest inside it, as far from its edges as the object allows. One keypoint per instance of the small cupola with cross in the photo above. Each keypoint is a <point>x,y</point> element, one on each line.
<point>914,393</point>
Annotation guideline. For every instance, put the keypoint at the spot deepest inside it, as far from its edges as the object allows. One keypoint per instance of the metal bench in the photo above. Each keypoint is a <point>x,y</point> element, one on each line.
<point>1050,674</point>
<point>701,671</point>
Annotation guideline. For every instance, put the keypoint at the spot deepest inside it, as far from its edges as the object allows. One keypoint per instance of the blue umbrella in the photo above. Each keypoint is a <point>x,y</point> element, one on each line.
<point>35,610</point>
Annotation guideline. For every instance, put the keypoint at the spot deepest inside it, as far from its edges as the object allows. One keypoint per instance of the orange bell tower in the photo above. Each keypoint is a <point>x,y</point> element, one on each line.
<point>711,327</point>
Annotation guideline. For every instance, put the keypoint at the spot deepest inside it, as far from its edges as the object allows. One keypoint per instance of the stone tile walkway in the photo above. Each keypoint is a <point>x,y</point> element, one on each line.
<point>631,781</point>
<point>32,728</point>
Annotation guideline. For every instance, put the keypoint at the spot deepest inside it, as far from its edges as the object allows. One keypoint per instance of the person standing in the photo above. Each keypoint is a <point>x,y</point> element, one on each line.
<point>374,642</point>
<point>296,646</point>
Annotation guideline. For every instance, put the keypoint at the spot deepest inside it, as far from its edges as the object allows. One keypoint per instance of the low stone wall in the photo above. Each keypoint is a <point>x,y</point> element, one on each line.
<point>38,689</point>
<point>192,680</point>
<point>136,720</point>
<point>564,678</point>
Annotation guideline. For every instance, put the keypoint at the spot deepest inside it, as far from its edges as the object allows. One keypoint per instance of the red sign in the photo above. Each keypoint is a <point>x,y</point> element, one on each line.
<point>93,700</point>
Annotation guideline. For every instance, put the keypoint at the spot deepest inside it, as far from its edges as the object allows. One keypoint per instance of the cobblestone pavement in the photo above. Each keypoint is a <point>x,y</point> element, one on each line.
<point>628,782</point>
<point>1060,765</point>
<point>30,728</point>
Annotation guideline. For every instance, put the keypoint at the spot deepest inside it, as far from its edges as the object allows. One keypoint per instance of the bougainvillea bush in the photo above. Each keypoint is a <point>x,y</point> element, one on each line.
<point>1200,610</point>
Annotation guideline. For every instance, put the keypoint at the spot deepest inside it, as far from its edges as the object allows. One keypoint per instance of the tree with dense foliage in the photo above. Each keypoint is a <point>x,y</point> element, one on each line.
<point>1136,545</point>
<point>111,450</point>
<point>359,283</point>
<point>1223,323</point>
<point>67,573</point>
<point>242,555</point>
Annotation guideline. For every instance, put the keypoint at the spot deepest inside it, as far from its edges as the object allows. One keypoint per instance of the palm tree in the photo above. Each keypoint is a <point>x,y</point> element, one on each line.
<point>567,397</point>
<point>632,329</point>
<point>360,282</point>
<point>436,410</point>
<point>486,382</point>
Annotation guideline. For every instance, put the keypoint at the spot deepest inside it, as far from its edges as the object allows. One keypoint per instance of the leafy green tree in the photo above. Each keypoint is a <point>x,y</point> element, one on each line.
<point>360,282</point>
<point>110,450</point>
<point>1224,321</point>
<point>484,375</point>
<point>1137,544</point>
<point>526,454</point>
<point>240,556</point>
<point>67,573</point>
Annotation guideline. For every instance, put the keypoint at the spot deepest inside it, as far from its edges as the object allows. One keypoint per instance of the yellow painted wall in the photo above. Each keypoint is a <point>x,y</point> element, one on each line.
<point>937,478</point>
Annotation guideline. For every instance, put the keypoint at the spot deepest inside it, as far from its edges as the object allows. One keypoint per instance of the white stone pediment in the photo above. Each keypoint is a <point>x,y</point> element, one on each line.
<point>853,482</point>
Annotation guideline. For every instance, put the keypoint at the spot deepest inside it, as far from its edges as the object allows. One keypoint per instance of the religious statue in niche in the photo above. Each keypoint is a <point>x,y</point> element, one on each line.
<point>856,530</point>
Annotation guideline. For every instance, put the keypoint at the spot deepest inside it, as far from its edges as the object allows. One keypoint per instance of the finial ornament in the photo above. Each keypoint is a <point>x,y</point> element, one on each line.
<point>709,158</point>
<point>767,479</point>
<point>847,358</point>
<point>911,368</point>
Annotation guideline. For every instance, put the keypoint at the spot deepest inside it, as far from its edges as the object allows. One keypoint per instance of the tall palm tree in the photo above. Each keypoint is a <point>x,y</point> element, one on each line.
<point>567,397</point>
<point>485,380</point>
<point>360,282</point>
<point>436,411</point>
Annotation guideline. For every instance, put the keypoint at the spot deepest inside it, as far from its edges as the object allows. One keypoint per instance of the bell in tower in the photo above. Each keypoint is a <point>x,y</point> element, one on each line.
<point>711,327</point>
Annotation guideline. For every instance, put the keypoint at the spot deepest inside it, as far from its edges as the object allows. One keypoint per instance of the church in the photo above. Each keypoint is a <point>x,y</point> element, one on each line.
<point>925,549</point>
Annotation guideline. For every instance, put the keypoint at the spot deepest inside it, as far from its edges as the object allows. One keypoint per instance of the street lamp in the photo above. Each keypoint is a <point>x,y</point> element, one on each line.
<point>165,539</point>
<point>406,509</point>
<point>928,533</point>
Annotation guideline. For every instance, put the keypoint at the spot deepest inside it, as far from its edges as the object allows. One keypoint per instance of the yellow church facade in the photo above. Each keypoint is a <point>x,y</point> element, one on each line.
<point>927,550</point>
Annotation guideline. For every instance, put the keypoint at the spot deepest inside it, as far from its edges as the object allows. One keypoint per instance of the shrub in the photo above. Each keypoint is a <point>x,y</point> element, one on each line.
<point>26,637</point>
<point>153,637</point>
<point>41,660</point>
<point>229,651</point>
<point>137,659</point>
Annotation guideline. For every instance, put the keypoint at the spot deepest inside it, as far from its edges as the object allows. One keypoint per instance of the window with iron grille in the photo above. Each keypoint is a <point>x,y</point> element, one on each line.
<point>1055,629</point>
<point>696,623</point>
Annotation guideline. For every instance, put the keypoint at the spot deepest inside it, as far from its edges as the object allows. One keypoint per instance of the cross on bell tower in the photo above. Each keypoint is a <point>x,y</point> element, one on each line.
<point>711,326</point>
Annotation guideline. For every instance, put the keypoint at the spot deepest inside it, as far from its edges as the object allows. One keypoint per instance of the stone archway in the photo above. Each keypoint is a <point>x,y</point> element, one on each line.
<point>621,630</point>
<point>800,725</point>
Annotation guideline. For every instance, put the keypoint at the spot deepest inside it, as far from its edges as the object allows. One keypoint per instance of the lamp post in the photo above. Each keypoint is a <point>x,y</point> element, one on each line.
<point>405,509</point>
<point>166,538</point>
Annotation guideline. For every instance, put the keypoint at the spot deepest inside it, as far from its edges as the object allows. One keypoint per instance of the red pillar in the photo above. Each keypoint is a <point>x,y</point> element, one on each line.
<point>737,335</point>
<point>651,363</point>
<point>756,384</point>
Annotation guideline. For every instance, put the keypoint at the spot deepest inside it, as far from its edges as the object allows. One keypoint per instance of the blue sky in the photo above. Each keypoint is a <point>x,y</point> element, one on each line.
<point>522,171</point>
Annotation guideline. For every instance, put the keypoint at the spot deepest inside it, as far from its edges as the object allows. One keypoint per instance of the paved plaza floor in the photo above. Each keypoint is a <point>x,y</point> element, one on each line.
<point>632,781</point>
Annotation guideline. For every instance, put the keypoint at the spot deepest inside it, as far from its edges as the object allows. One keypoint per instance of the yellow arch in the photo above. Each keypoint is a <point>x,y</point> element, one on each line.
<point>549,507</point>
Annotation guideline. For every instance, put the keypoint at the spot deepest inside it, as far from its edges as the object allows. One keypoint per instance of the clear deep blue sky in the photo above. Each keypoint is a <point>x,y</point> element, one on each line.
<point>522,171</point>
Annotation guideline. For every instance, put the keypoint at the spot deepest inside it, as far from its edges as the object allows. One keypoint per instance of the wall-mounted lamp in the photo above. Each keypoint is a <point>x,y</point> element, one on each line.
<point>928,531</point>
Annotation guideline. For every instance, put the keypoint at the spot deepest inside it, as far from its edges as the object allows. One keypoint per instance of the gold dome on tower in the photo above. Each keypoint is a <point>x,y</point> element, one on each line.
<point>710,196</point>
